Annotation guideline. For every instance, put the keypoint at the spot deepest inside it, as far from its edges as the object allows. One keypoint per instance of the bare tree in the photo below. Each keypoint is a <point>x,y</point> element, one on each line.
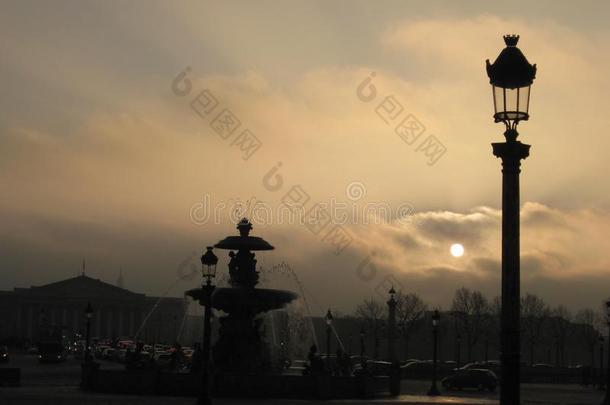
<point>372,312</point>
<point>471,309</point>
<point>534,315</point>
<point>560,321</point>
<point>410,309</point>
<point>589,322</point>
<point>490,331</point>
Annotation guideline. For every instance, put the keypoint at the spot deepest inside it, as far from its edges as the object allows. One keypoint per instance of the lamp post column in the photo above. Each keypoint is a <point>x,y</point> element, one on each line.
<point>486,350</point>
<point>362,349</point>
<point>435,319</point>
<point>204,398</point>
<point>329,320</point>
<point>601,362</point>
<point>88,341</point>
<point>511,152</point>
<point>208,269</point>
<point>87,365</point>
<point>606,400</point>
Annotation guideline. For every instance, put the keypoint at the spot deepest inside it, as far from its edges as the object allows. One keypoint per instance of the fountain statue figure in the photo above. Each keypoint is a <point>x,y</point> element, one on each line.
<point>240,346</point>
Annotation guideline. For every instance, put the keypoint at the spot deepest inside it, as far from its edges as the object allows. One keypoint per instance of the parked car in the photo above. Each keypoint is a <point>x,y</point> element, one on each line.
<point>375,367</point>
<point>163,359</point>
<point>471,378</point>
<point>543,366</point>
<point>424,369</point>
<point>99,351</point>
<point>4,354</point>
<point>490,365</point>
<point>108,353</point>
<point>297,367</point>
<point>120,355</point>
<point>145,356</point>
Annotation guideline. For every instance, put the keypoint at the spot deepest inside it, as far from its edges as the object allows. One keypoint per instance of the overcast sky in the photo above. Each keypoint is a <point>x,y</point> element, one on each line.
<point>103,156</point>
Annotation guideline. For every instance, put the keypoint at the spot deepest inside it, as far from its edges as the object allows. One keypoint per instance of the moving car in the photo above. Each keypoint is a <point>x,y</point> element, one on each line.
<point>471,378</point>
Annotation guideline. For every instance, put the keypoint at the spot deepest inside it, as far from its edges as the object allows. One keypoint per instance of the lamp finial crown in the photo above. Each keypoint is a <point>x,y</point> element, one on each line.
<point>511,39</point>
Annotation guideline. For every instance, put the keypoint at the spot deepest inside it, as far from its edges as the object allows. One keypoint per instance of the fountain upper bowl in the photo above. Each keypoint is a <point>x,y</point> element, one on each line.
<point>238,299</point>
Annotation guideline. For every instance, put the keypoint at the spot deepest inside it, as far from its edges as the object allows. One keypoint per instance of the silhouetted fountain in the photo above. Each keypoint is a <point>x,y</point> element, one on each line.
<point>240,346</point>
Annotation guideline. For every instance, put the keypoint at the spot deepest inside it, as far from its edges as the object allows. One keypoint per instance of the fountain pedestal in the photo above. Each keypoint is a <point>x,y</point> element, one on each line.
<point>240,346</point>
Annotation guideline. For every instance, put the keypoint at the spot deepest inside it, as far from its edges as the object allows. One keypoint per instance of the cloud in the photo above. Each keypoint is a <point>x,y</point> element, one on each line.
<point>561,250</point>
<point>135,158</point>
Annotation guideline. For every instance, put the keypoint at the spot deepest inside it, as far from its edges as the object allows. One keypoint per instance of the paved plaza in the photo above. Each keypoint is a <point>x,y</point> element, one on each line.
<point>49,384</point>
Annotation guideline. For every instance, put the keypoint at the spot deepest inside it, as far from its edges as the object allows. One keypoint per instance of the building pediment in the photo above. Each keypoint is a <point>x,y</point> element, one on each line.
<point>80,287</point>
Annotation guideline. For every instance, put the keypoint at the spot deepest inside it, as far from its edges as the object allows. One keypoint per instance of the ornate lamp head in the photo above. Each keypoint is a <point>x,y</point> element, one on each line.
<point>511,77</point>
<point>208,264</point>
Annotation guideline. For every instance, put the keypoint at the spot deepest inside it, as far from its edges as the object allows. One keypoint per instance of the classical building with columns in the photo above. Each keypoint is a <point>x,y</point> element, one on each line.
<point>117,312</point>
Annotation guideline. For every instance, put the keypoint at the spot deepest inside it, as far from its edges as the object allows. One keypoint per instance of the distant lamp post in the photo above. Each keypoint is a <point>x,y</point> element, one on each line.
<point>208,271</point>
<point>601,361</point>
<point>511,77</point>
<point>487,350</point>
<point>433,391</point>
<point>362,348</point>
<point>607,396</point>
<point>89,315</point>
<point>392,326</point>
<point>395,366</point>
<point>329,326</point>
<point>458,350</point>
<point>88,364</point>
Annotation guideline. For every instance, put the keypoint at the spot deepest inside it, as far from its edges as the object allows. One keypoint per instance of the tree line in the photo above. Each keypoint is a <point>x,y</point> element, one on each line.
<point>474,322</point>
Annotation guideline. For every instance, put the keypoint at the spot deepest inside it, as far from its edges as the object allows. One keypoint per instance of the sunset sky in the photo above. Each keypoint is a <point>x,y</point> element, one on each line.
<point>103,156</point>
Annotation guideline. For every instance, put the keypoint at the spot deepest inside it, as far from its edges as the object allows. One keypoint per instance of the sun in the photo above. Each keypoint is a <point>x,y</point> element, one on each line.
<point>457,250</point>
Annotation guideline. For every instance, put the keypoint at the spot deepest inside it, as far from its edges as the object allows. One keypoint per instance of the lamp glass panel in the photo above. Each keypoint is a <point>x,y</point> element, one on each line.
<point>524,99</point>
<point>510,107</point>
<point>498,99</point>
<point>511,104</point>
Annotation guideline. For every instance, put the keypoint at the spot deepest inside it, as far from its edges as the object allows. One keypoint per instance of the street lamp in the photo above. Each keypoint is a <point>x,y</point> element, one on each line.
<point>511,77</point>
<point>607,397</point>
<point>208,271</point>
<point>433,391</point>
<point>329,324</point>
<point>89,315</point>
